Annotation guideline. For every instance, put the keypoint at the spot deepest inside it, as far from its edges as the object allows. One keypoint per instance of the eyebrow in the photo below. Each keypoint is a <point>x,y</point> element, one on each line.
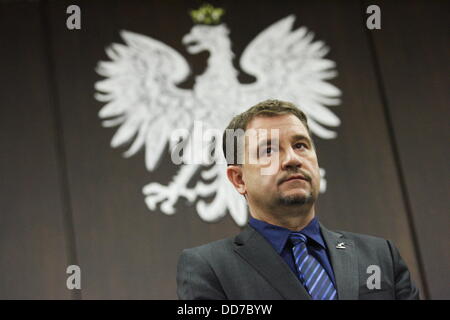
<point>293,138</point>
<point>300,137</point>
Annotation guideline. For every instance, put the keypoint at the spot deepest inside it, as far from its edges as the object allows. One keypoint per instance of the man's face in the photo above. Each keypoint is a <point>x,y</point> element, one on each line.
<point>291,155</point>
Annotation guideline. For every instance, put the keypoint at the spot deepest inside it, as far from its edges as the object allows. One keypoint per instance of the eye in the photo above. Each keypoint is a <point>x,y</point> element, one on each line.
<point>267,151</point>
<point>299,145</point>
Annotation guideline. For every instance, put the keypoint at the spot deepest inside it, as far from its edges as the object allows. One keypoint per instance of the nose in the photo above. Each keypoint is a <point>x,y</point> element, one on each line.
<point>291,160</point>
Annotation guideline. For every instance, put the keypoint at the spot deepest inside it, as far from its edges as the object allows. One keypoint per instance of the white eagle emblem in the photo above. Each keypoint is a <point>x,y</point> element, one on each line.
<point>141,95</point>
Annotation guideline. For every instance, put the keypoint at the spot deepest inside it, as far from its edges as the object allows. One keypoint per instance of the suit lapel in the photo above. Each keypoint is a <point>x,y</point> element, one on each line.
<point>254,249</point>
<point>343,258</point>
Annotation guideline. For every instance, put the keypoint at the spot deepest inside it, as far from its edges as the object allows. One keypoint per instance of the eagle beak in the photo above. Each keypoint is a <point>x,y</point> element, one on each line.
<point>191,43</point>
<point>187,39</point>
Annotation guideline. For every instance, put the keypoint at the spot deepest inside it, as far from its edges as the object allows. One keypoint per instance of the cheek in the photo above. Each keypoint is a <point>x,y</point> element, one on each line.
<point>268,182</point>
<point>318,179</point>
<point>259,183</point>
<point>315,170</point>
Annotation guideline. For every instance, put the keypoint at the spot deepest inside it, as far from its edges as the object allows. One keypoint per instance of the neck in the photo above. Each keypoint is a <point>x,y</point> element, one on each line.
<point>221,62</point>
<point>294,219</point>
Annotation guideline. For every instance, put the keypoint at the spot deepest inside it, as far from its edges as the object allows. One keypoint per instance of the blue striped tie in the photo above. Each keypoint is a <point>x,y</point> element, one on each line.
<point>312,275</point>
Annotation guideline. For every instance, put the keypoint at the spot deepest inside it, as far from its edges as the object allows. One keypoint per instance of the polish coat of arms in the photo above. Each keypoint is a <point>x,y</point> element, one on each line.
<point>142,98</point>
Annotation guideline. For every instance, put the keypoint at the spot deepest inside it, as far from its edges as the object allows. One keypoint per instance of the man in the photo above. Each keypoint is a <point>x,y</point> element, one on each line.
<point>284,252</point>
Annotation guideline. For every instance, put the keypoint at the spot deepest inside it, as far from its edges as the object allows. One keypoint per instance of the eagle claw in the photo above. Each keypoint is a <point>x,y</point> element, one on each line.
<point>168,195</point>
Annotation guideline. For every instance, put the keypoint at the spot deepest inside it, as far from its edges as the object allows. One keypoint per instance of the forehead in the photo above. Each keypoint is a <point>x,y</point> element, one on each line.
<point>288,125</point>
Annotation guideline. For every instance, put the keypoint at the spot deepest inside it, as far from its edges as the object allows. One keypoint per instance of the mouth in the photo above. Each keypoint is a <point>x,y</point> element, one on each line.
<point>295,177</point>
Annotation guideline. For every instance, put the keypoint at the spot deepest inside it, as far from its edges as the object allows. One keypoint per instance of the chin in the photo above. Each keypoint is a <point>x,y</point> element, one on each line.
<point>296,193</point>
<point>295,200</point>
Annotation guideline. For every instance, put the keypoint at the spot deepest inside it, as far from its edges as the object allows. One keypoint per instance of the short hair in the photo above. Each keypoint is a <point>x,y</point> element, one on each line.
<point>267,108</point>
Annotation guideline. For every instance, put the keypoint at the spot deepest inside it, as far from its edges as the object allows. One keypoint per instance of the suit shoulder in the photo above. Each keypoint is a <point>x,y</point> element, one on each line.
<point>211,249</point>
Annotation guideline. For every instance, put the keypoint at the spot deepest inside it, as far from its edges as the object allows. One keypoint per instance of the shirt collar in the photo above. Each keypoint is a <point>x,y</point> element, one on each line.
<point>278,236</point>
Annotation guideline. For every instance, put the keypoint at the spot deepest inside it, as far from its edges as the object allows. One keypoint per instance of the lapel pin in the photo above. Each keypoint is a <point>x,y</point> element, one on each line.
<point>340,245</point>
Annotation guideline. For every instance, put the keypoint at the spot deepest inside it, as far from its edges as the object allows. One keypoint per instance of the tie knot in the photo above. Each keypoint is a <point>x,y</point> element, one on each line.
<point>297,237</point>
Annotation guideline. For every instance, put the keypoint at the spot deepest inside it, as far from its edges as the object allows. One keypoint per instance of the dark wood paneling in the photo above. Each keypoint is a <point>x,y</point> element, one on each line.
<point>33,247</point>
<point>412,50</point>
<point>125,251</point>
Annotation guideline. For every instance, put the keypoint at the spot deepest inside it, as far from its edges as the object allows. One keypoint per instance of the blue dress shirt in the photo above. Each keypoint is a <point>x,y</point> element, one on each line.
<point>278,238</point>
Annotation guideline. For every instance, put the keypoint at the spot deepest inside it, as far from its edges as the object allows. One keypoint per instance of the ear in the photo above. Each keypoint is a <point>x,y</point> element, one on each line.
<point>234,174</point>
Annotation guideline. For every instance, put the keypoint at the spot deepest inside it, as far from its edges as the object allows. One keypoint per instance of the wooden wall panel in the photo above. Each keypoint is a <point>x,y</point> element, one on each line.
<point>413,54</point>
<point>125,251</point>
<point>33,246</point>
<point>363,170</point>
<point>376,168</point>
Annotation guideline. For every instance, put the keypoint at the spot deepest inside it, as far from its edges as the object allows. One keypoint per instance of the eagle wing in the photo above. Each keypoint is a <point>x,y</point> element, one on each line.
<point>288,65</point>
<point>141,94</point>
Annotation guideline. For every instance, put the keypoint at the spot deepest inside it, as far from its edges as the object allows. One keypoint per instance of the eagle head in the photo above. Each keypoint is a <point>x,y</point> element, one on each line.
<point>207,37</point>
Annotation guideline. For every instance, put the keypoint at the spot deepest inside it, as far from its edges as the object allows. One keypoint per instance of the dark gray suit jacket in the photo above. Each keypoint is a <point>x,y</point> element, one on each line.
<point>247,267</point>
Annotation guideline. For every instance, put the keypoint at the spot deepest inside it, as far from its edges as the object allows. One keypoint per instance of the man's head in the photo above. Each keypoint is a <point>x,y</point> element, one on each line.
<point>282,139</point>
